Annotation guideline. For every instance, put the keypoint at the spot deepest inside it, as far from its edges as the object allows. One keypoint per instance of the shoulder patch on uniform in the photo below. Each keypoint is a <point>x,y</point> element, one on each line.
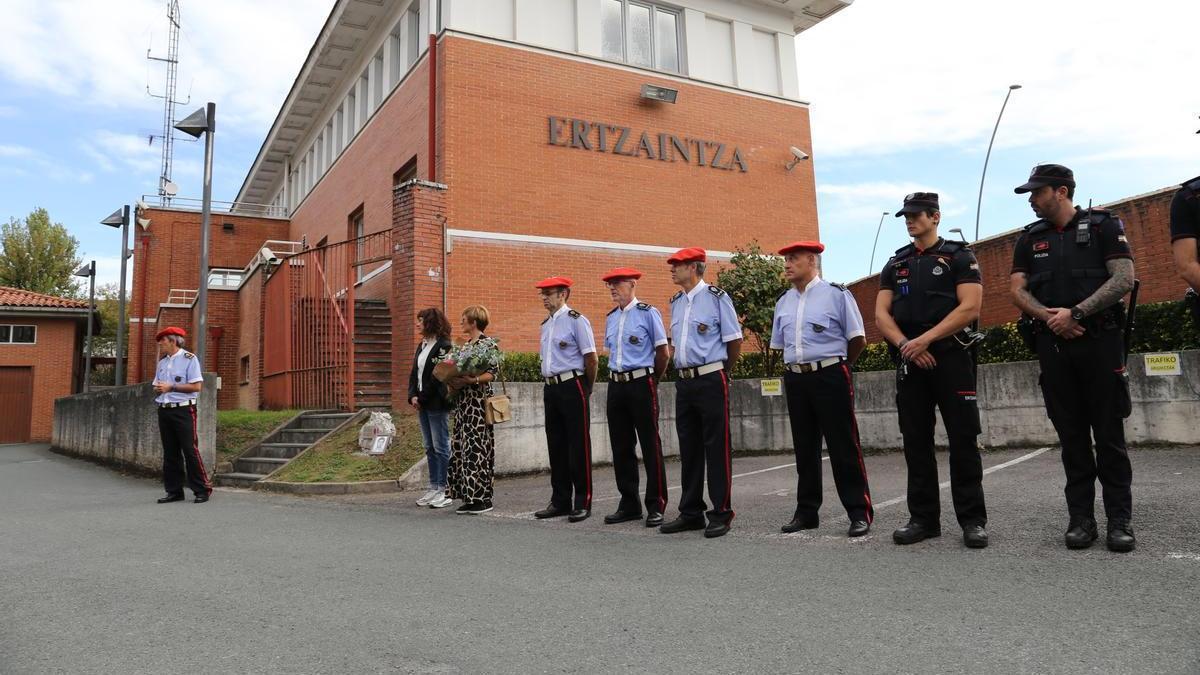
<point>904,251</point>
<point>1038,226</point>
<point>716,290</point>
<point>573,314</point>
<point>951,246</point>
<point>643,306</point>
<point>678,295</point>
<point>840,287</point>
<point>189,355</point>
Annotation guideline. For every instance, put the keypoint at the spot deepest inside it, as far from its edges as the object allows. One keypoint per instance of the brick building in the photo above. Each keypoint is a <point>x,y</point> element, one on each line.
<point>453,152</point>
<point>1147,225</point>
<point>41,359</point>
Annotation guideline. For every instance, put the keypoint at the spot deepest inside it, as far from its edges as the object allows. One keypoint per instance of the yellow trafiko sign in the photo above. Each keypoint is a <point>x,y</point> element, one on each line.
<point>771,387</point>
<point>1166,363</point>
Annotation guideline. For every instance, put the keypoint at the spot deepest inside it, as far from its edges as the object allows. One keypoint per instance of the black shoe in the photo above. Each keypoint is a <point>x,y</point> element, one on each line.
<point>201,498</point>
<point>914,532</point>
<point>654,519</point>
<point>1081,533</point>
<point>716,529</point>
<point>1120,536</point>
<point>800,523</point>
<point>551,511</point>
<point>473,508</point>
<point>171,498</point>
<point>858,528</point>
<point>622,516</point>
<point>580,514</point>
<point>682,524</point>
<point>975,536</point>
<point>485,506</point>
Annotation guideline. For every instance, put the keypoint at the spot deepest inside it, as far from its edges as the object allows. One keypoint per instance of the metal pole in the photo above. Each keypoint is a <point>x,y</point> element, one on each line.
<point>206,210</point>
<point>983,177</point>
<point>119,379</point>
<point>87,368</point>
<point>877,231</point>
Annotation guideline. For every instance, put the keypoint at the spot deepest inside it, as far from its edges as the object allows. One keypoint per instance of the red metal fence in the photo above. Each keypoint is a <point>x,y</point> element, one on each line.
<point>308,323</point>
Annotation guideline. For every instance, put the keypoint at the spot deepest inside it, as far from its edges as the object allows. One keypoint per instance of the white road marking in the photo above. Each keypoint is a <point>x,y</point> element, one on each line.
<point>736,475</point>
<point>1184,556</point>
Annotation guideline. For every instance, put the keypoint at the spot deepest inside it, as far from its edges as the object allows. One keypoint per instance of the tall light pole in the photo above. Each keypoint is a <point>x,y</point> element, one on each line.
<point>877,231</point>
<point>978,204</point>
<point>203,121</point>
<point>120,218</point>
<point>89,270</point>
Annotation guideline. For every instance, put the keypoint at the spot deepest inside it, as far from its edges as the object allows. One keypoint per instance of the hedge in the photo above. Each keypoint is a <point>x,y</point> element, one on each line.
<point>1161,327</point>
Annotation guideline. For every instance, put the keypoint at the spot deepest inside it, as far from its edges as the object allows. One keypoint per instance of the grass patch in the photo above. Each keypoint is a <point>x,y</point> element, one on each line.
<point>336,459</point>
<point>239,429</point>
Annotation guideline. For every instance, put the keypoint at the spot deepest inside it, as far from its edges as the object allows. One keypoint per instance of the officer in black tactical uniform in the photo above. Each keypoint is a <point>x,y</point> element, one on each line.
<point>930,292</point>
<point>1070,270</point>
<point>1185,231</point>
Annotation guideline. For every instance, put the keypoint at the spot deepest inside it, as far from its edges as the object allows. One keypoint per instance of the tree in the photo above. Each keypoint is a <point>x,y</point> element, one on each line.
<point>754,283</point>
<point>38,255</point>
<point>105,342</point>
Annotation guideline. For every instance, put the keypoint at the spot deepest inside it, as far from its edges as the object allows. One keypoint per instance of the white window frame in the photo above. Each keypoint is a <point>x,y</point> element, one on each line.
<point>12,328</point>
<point>654,8</point>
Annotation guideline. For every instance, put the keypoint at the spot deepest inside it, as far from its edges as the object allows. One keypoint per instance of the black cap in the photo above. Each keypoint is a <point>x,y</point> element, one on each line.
<point>1047,174</point>
<point>918,202</point>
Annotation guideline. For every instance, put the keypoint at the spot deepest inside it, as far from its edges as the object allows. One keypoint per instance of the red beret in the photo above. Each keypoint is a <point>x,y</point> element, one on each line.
<point>686,255</point>
<point>621,273</point>
<point>553,282</point>
<point>814,246</point>
<point>170,330</point>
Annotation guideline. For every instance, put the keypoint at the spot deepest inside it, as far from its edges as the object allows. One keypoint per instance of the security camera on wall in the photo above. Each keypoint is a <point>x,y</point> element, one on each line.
<point>267,256</point>
<point>798,156</point>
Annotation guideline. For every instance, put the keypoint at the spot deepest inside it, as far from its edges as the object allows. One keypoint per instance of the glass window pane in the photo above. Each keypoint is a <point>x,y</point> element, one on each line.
<point>666,41</point>
<point>639,36</point>
<point>610,31</point>
<point>5,333</point>
<point>24,334</point>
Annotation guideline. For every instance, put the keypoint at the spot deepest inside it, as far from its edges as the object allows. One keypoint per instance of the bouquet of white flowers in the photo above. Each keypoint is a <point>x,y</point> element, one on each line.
<point>469,358</point>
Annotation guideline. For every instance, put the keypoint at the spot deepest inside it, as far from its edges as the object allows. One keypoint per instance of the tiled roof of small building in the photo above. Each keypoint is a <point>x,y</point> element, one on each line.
<point>15,297</point>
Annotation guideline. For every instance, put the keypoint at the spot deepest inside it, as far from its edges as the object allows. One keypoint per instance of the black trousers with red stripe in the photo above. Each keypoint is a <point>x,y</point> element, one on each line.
<point>821,404</point>
<point>181,447</point>
<point>569,438</point>
<point>950,387</point>
<point>633,420</point>
<point>702,422</point>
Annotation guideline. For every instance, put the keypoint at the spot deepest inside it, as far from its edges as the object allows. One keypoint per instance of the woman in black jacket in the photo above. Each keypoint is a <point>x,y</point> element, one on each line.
<point>429,397</point>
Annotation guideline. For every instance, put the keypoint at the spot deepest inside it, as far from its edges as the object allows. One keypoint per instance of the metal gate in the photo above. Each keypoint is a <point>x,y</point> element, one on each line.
<point>308,323</point>
<point>16,400</point>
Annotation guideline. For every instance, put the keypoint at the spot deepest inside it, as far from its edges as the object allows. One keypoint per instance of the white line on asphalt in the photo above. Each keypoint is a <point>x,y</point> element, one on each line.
<point>1184,556</point>
<point>736,475</point>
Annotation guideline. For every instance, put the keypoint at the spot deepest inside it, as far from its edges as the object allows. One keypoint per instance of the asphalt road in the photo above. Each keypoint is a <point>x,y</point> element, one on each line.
<point>95,577</point>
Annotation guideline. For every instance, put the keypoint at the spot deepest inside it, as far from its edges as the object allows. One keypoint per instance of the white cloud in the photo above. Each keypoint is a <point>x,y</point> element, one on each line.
<point>15,151</point>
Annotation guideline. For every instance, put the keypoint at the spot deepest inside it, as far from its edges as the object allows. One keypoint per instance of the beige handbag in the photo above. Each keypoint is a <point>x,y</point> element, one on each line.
<point>497,409</point>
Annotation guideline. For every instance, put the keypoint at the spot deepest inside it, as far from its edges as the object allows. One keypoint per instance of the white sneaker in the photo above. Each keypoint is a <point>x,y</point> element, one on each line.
<point>427,497</point>
<point>440,501</point>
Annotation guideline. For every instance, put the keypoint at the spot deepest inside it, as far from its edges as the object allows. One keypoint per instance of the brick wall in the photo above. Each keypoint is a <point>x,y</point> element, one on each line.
<point>417,241</point>
<point>250,341</point>
<point>222,348</point>
<point>56,360</point>
<point>1147,226</point>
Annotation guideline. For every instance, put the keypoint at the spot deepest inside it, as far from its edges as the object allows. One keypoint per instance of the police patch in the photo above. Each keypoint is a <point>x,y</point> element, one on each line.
<point>178,378</point>
<point>635,340</point>
<point>818,328</point>
<point>1041,246</point>
<point>975,266</point>
<point>938,271</point>
<point>562,344</point>
<point>702,328</point>
<point>1121,238</point>
<point>902,272</point>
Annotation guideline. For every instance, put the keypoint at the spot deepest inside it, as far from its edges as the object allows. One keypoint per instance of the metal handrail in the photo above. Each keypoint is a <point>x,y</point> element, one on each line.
<point>181,296</point>
<point>194,204</point>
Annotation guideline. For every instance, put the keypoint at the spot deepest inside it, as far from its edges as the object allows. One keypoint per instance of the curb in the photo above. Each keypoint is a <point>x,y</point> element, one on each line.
<point>364,488</point>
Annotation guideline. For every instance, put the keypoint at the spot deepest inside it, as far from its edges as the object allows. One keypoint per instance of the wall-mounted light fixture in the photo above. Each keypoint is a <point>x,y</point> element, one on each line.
<point>653,92</point>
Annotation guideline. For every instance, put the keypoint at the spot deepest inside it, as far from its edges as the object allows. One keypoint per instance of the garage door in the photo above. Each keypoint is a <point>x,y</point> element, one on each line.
<point>16,404</point>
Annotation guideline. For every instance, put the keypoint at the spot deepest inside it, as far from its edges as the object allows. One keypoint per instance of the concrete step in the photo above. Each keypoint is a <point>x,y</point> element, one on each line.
<point>302,436</point>
<point>239,480</point>
<point>323,420</point>
<point>281,450</point>
<point>263,465</point>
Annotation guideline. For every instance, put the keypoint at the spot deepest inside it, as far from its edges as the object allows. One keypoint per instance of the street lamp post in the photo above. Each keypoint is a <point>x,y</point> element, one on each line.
<point>979,203</point>
<point>877,231</point>
<point>89,270</point>
<point>120,218</point>
<point>203,121</point>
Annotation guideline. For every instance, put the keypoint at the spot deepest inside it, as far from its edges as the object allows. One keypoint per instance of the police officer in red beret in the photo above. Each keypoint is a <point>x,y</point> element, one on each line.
<point>178,381</point>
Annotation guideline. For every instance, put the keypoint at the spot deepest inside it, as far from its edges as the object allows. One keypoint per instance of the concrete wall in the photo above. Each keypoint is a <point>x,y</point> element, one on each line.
<point>119,426</point>
<point>1011,410</point>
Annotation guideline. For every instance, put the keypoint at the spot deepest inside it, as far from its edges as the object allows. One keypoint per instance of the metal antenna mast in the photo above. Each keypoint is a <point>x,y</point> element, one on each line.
<point>166,189</point>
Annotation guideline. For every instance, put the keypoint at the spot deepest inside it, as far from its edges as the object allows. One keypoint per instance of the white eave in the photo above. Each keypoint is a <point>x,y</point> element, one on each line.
<point>807,13</point>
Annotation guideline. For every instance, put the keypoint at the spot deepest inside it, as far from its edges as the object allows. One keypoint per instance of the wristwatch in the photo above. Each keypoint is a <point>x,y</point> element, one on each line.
<point>1077,313</point>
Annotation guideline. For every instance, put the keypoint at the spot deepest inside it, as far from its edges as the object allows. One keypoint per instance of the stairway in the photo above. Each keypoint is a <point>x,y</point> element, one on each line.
<point>372,355</point>
<point>281,447</point>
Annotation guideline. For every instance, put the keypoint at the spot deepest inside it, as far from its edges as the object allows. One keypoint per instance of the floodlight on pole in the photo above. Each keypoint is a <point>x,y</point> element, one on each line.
<point>979,203</point>
<point>203,122</point>
<point>89,270</point>
<point>877,231</point>
<point>120,218</point>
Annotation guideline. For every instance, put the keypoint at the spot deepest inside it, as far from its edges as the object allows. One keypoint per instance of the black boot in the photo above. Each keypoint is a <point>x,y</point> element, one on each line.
<point>1080,533</point>
<point>1120,536</point>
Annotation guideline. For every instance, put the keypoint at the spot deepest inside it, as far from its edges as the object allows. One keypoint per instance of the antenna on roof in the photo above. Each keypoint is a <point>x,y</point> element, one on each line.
<point>169,102</point>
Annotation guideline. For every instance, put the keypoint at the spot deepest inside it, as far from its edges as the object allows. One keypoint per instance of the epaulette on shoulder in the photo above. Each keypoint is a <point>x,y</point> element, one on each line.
<point>904,251</point>
<point>573,314</point>
<point>716,290</point>
<point>1038,226</point>
<point>678,295</point>
<point>545,320</point>
<point>840,287</point>
<point>611,311</point>
<point>781,294</point>
<point>189,355</point>
<point>1193,185</point>
<point>643,306</point>
<point>1100,215</point>
<point>951,246</point>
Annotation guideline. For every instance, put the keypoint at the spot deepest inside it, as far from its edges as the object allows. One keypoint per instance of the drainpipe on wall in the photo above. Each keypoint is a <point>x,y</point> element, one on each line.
<point>144,265</point>
<point>432,176</point>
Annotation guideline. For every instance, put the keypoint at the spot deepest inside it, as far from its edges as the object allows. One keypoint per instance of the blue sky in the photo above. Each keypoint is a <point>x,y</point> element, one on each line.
<point>904,94</point>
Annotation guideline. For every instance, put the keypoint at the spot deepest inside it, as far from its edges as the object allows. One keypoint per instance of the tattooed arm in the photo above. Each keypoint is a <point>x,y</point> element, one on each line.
<point>1120,282</point>
<point>1023,299</point>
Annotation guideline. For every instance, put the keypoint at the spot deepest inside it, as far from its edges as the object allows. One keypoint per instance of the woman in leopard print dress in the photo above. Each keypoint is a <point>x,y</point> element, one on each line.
<point>472,444</point>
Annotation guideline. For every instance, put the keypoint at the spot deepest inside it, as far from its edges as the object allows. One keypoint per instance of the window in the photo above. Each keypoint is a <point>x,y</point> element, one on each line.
<point>641,34</point>
<point>224,278</point>
<point>20,335</point>
<point>414,34</point>
<point>357,230</point>
<point>244,370</point>
<point>406,172</point>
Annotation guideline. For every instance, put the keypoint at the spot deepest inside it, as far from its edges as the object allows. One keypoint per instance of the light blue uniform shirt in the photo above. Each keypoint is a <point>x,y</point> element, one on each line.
<point>566,339</point>
<point>815,324</point>
<point>631,334</point>
<point>702,321</point>
<point>183,368</point>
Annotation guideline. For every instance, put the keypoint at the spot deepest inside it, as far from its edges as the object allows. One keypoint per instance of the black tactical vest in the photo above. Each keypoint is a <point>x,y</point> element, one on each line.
<point>925,287</point>
<point>1063,272</point>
